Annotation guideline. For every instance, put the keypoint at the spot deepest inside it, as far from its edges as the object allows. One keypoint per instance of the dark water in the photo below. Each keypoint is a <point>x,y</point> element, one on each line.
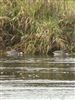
<point>33,78</point>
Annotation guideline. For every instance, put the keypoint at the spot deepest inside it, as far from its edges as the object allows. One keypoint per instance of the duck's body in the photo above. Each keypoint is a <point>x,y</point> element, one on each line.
<point>14,53</point>
<point>60,53</point>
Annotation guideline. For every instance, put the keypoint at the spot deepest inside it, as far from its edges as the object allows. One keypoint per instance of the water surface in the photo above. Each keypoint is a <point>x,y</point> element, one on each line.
<point>33,78</point>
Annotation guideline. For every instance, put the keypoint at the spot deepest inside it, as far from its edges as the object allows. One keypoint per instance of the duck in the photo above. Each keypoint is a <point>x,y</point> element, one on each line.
<point>13,52</point>
<point>60,53</point>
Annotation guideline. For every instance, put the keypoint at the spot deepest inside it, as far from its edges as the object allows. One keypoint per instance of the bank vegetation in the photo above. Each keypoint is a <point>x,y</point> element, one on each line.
<point>37,26</point>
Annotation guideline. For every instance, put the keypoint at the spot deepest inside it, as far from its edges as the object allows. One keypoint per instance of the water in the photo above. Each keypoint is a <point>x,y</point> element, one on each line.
<point>37,78</point>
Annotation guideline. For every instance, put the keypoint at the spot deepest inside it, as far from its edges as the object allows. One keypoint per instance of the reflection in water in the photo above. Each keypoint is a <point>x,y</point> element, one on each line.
<point>38,68</point>
<point>37,78</point>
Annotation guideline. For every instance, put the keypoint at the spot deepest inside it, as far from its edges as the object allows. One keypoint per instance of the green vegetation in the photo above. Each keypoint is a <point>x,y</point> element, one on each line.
<point>43,25</point>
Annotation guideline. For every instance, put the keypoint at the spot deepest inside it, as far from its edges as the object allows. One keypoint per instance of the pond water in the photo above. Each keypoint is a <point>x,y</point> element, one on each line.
<point>37,78</point>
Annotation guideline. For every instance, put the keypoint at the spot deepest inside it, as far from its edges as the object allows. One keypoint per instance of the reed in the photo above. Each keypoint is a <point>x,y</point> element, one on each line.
<point>46,25</point>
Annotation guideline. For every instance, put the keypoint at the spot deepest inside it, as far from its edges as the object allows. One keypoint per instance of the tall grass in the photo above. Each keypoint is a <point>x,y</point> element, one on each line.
<point>46,25</point>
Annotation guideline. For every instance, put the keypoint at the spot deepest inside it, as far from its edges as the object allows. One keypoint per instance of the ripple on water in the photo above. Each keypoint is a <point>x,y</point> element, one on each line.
<point>36,83</point>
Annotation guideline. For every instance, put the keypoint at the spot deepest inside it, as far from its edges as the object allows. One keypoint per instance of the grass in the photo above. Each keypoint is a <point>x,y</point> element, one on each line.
<point>45,25</point>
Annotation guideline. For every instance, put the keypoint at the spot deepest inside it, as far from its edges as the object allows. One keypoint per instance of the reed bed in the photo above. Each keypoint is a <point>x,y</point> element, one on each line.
<point>44,25</point>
